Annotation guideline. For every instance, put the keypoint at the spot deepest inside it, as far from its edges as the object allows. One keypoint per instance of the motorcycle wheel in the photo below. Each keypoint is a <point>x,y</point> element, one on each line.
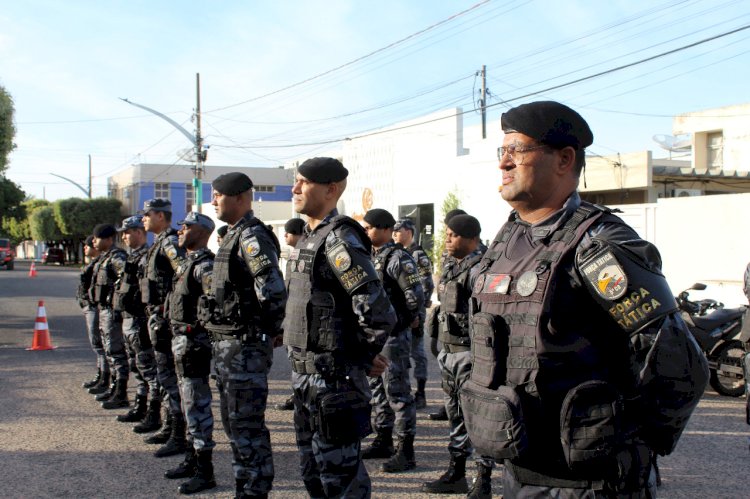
<point>730,353</point>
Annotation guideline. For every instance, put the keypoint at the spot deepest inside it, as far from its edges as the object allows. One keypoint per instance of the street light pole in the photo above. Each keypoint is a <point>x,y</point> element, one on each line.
<point>196,140</point>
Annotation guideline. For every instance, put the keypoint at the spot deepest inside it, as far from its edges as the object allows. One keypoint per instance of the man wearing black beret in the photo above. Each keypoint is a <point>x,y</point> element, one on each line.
<point>337,320</point>
<point>394,405</point>
<point>100,382</point>
<point>451,327</point>
<point>108,271</point>
<point>244,311</point>
<point>558,334</point>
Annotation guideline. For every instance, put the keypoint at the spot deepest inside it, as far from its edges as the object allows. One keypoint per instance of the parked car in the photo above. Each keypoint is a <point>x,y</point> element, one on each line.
<point>7,254</point>
<point>54,255</point>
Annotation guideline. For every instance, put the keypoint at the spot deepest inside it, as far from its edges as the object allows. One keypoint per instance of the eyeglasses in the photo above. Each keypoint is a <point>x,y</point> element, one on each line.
<point>516,153</point>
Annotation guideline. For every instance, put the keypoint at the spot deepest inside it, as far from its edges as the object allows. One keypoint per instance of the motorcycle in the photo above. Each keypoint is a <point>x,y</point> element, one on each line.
<point>716,330</point>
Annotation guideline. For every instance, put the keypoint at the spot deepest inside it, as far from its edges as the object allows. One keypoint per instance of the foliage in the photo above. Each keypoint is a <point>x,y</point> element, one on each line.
<point>11,209</point>
<point>42,225</point>
<point>7,128</point>
<point>451,202</point>
<point>77,217</point>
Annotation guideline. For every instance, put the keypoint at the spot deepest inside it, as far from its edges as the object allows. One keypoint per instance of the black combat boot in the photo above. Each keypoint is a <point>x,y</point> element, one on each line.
<point>94,381</point>
<point>440,415</point>
<point>101,386</point>
<point>419,397</point>
<point>186,468</point>
<point>204,475</point>
<point>164,434</point>
<point>106,395</point>
<point>138,411</point>
<point>482,486</point>
<point>119,398</point>
<point>152,420</point>
<point>176,443</point>
<point>403,459</point>
<point>239,488</point>
<point>381,446</point>
<point>453,481</point>
<point>287,405</point>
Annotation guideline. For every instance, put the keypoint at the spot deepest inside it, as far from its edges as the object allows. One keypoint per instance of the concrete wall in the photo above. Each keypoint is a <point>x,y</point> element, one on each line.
<point>701,239</point>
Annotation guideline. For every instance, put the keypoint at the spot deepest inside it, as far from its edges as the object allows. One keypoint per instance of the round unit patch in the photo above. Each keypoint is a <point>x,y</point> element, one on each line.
<point>252,246</point>
<point>526,284</point>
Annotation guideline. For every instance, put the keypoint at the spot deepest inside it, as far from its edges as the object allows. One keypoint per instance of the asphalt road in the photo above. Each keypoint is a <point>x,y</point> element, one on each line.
<point>55,440</point>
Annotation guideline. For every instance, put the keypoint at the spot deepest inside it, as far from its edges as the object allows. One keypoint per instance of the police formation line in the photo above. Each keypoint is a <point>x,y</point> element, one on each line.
<point>561,354</point>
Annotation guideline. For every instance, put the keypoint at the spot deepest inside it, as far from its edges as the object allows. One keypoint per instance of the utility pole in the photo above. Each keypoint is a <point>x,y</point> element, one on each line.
<point>483,102</point>
<point>200,156</point>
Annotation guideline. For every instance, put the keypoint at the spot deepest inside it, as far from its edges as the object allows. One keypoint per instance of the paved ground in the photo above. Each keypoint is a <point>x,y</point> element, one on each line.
<point>56,441</point>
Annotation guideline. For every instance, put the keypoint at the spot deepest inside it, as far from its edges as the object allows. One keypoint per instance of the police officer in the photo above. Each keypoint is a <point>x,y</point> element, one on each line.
<point>220,233</point>
<point>403,234</point>
<point>392,399</point>
<point>91,313</point>
<point>292,233</point>
<point>191,345</point>
<point>244,313</point>
<point>456,283</point>
<point>163,259</point>
<point>109,270</point>
<point>336,345</point>
<point>127,301</point>
<point>446,264</point>
<point>559,293</point>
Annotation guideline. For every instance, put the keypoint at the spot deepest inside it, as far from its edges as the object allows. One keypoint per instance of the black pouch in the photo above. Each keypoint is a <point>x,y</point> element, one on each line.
<point>494,420</point>
<point>432,323</point>
<point>323,322</point>
<point>489,349</point>
<point>590,426</point>
<point>343,416</point>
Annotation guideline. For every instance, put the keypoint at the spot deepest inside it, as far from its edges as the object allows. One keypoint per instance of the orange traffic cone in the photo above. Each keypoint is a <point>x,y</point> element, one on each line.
<point>41,331</point>
<point>32,270</point>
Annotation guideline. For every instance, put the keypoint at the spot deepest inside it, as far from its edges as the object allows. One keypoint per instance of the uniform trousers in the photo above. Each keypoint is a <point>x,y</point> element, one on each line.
<point>91,315</point>
<point>192,357</point>
<point>142,359</point>
<point>393,403</point>
<point>110,325</point>
<point>166,374</point>
<point>418,356</point>
<point>455,369</point>
<point>242,367</point>
<point>328,470</point>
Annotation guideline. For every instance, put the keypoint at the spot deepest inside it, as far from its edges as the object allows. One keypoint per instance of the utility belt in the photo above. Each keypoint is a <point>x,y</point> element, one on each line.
<point>529,477</point>
<point>452,348</point>
<point>244,335</point>
<point>324,364</point>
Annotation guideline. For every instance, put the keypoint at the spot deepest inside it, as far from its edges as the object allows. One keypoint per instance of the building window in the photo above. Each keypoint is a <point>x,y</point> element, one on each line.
<point>161,190</point>
<point>715,144</point>
<point>189,197</point>
<point>264,188</point>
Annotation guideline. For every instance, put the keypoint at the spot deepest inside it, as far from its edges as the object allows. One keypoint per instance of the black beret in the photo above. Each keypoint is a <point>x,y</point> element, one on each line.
<point>156,204</point>
<point>222,231</point>
<point>232,184</point>
<point>323,170</point>
<point>550,123</point>
<point>380,218</point>
<point>294,226</point>
<point>465,226</point>
<point>453,213</point>
<point>89,242</point>
<point>103,231</point>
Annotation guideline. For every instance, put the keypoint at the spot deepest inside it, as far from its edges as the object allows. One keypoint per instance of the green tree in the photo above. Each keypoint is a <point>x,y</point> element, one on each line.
<point>451,202</point>
<point>43,226</point>
<point>11,197</point>
<point>16,224</point>
<point>77,218</point>
<point>7,128</point>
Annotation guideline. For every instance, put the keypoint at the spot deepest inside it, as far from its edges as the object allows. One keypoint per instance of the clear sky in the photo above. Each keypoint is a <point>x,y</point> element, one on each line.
<point>286,79</point>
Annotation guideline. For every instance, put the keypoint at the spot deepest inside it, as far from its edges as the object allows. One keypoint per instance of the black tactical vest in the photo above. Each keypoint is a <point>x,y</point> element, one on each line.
<point>128,294</point>
<point>183,300</point>
<point>104,281</point>
<point>454,294</point>
<point>159,272</point>
<point>232,287</point>
<point>84,286</point>
<point>319,316</point>
<point>393,288</point>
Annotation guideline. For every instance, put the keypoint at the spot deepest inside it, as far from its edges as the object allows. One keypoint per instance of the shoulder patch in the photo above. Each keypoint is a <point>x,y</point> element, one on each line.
<point>409,267</point>
<point>252,246</point>
<point>606,276</point>
<point>339,257</point>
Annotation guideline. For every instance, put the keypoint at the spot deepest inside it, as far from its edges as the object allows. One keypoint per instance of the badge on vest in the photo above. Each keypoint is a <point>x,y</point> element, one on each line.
<point>526,284</point>
<point>606,276</point>
<point>493,283</point>
<point>339,258</point>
